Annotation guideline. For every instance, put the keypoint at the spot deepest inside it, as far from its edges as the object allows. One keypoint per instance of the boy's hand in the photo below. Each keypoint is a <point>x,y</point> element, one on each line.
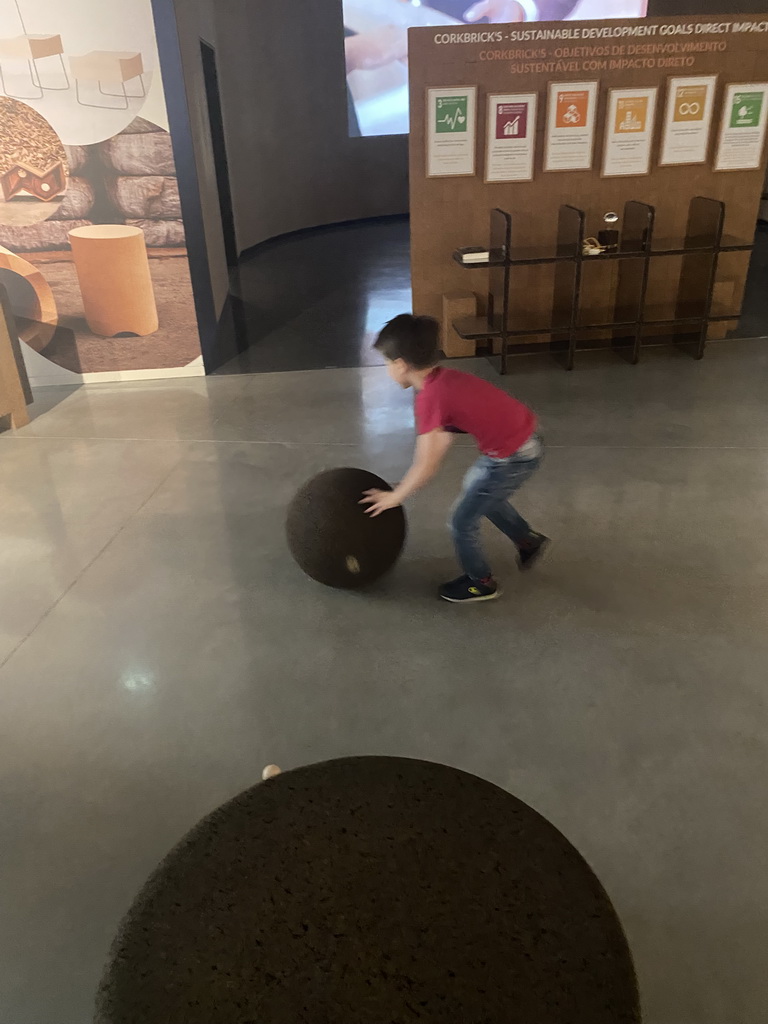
<point>379,501</point>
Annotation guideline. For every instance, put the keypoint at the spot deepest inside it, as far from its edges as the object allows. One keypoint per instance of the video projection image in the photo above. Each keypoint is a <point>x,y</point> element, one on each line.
<point>376,44</point>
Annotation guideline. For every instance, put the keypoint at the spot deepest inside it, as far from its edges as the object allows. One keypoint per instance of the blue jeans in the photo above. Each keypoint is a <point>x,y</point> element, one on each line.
<point>485,494</point>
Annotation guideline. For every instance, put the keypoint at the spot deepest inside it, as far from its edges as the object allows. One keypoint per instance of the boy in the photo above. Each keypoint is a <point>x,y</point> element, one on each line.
<point>448,403</point>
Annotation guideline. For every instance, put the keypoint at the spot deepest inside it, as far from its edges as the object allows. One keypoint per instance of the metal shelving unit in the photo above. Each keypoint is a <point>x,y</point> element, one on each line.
<point>630,316</point>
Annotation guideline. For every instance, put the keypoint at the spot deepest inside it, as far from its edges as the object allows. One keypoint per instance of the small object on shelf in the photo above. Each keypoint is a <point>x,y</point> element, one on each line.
<point>609,237</point>
<point>473,254</point>
<point>592,247</point>
<point>23,179</point>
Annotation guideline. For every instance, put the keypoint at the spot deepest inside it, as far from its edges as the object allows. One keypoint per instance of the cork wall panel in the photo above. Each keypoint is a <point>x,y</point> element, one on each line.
<point>447,213</point>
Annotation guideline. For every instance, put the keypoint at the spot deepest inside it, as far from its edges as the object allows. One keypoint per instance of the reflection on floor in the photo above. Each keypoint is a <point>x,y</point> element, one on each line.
<point>158,647</point>
<point>316,299</point>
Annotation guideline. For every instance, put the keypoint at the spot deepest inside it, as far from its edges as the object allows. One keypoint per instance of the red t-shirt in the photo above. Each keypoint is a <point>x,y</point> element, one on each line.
<point>455,401</point>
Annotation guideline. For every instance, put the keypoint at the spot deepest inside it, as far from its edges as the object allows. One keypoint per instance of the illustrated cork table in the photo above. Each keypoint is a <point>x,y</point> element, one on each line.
<point>371,890</point>
<point>113,271</point>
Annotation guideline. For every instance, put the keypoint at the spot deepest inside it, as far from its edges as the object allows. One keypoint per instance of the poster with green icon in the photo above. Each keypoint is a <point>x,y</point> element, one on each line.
<point>742,130</point>
<point>451,131</point>
<point>745,109</point>
<point>451,114</point>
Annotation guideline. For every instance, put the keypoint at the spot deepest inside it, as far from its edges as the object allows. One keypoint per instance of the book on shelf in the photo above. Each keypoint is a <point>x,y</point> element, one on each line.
<point>473,254</point>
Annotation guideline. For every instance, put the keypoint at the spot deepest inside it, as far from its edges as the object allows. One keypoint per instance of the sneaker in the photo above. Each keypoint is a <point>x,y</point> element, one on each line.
<point>465,589</point>
<point>532,549</point>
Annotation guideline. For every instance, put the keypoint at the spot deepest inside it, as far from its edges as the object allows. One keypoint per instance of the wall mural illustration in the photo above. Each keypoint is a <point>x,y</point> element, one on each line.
<point>92,247</point>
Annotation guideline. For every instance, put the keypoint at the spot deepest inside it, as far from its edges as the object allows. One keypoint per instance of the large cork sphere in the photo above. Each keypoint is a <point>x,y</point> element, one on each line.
<point>331,536</point>
<point>371,890</point>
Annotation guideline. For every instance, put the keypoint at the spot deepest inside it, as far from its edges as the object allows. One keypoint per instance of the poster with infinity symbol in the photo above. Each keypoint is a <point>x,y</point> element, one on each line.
<point>688,120</point>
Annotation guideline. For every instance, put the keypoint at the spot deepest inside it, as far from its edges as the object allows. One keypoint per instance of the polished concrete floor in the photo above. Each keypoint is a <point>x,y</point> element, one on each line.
<point>158,647</point>
<point>316,299</point>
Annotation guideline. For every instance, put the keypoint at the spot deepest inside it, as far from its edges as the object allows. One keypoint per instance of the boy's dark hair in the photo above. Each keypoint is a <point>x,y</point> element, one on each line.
<point>414,339</point>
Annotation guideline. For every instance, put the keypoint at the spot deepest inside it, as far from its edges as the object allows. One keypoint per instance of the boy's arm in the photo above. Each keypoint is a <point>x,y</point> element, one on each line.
<point>430,451</point>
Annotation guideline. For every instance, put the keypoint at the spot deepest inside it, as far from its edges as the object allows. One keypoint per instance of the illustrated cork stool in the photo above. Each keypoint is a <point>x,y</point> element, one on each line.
<point>115,283</point>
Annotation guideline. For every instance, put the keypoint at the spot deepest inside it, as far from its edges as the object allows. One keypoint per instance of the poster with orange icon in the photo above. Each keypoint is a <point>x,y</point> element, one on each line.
<point>688,120</point>
<point>629,132</point>
<point>570,126</point>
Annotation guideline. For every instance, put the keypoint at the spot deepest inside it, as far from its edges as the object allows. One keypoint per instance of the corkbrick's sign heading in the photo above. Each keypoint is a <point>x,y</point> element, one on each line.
<point>617,31</point>
<point>662,44</point>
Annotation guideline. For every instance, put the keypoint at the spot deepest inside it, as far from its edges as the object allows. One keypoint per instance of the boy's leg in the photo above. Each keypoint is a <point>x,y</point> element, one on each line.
<point>506,518</point>
<point>473,504</point>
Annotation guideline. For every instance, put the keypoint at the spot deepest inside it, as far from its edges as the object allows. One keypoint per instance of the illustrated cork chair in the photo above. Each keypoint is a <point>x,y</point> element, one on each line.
<point>31,48</point>
<point>114,66</point>
<point>113,271</point>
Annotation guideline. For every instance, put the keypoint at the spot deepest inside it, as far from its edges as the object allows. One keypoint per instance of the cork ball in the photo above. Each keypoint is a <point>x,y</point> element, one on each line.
<point>331,536</point>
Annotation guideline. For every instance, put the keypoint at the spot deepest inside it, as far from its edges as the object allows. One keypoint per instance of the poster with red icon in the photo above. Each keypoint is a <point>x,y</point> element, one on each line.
<point>511,137</point>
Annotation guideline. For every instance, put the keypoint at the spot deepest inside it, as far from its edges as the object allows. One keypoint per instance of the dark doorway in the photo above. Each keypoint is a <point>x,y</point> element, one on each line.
<point>216,120</point>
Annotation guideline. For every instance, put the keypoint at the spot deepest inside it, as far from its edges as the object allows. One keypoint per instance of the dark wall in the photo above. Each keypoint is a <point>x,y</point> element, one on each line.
<point>184,83</point>
<point>292,163</point>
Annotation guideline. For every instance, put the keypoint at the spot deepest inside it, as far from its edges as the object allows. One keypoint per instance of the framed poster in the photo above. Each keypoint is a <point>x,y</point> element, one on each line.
<point>690,102</point>
<point>511,137</point>
<point>570,126</point>
<point>742,129</point>
<point>451,120</point>
<point>629,131</point>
